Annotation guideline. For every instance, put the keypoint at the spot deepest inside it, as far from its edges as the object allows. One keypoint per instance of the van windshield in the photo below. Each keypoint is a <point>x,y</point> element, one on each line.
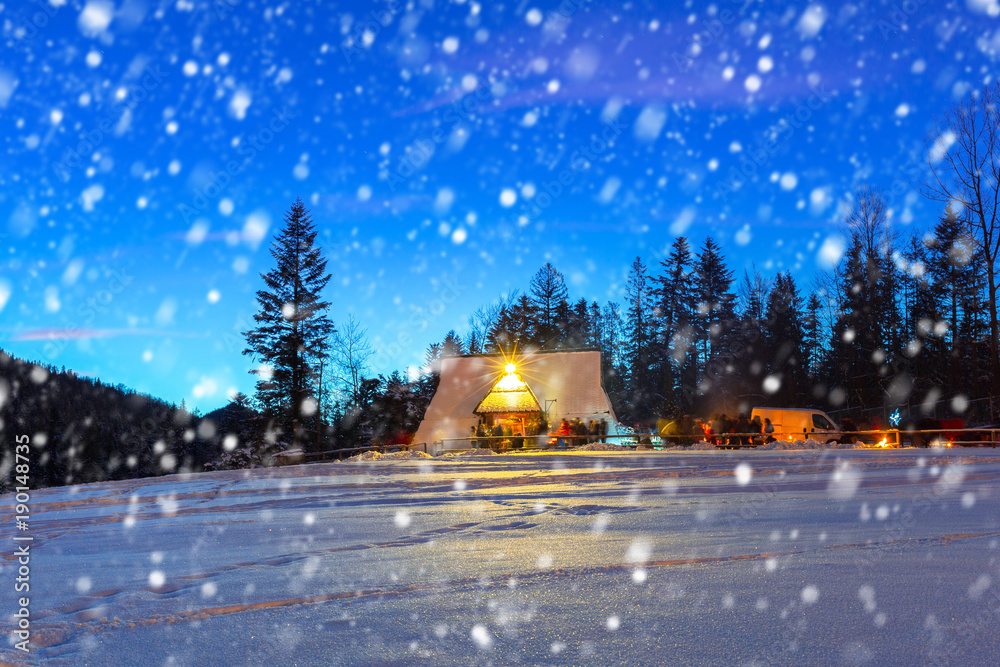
<point>821,422</point>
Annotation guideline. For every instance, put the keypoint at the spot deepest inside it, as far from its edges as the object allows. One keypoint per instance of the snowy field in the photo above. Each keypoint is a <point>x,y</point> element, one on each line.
<point>678,557</point>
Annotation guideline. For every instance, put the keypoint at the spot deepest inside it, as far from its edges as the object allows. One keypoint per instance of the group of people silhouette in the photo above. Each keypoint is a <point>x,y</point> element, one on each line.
<point>509,434</point>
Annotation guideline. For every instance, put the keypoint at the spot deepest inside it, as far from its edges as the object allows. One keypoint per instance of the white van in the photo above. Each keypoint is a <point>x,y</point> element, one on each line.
<point>799,423</point>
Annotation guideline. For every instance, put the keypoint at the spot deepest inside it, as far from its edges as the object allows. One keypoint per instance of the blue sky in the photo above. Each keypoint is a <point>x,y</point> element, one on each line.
<point>152,148</point>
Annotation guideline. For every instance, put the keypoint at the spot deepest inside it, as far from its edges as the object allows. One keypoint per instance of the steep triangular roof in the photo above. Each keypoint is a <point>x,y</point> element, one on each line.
<point>566,382</point>
<point>508,394</point>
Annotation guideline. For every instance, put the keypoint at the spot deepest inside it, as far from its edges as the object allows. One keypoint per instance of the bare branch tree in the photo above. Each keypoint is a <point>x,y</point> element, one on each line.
<point>480,323</point>
<point>751,296</point>
<point>964,160</point>
<point>350,352</point>
<point>485,319</point>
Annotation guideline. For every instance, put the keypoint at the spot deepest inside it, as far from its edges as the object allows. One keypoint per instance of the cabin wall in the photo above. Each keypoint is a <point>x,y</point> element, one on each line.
<point>568,382</point>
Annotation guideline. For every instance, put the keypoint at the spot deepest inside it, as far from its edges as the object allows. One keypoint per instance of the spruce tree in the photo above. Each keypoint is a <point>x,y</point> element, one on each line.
<point>548,292</point>
<point>562,319</point>
<point>292,329</point>
<point>956,272</point>
<point>502,336</point>
<point>783,341</point>
<point>612,365</point>
<point>866,343</point>
<point>578,332</point>
<point>452,345</point>
<point>812,345</point>
<point>672,295</point>
<point>714,316</point>
<point>523,315</point>
<point>595,326</point>
<point>638,343</point>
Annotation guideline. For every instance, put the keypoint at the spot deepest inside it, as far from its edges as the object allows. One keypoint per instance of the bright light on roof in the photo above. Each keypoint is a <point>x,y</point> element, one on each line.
<point>510,369</point>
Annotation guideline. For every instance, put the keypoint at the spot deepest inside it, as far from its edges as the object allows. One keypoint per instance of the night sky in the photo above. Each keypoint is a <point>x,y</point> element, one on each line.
<point>151,149</point>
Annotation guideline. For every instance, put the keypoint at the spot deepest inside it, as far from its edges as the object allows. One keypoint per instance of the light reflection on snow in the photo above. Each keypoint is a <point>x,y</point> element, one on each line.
<point>516,552</point>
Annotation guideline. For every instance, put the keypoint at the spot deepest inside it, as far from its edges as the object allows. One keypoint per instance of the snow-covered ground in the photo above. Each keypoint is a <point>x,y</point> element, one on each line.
<point>677,557</point>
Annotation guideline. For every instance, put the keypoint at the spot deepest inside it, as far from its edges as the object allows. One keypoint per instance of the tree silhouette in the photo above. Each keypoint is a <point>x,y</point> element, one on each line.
<point>292,331</point>
<point>548,291</point>
<point>965,170</point>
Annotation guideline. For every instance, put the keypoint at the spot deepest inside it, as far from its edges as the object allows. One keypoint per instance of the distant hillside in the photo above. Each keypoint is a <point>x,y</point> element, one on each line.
<point>83,430</point>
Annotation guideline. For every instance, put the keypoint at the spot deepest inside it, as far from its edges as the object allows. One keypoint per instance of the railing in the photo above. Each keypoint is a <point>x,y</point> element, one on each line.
<point>894,438</point>
<point>547,441</point>
<point>891,438</point>
<point>950,437</point>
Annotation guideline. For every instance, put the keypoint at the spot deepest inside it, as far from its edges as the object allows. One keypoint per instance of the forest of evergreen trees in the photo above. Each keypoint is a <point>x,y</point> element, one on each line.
<point>83,430</point>
<point>899,322</point>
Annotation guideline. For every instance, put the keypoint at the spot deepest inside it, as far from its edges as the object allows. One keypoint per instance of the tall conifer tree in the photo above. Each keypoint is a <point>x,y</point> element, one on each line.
<point>548,292</point>
<point>715,313</point>
<point>292,329</point>
<point>638,342</point>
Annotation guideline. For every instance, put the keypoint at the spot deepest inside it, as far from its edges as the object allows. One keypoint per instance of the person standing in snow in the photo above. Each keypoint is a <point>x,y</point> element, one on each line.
<point>497,437</point>
<point>564,430</point>
<point>756,427</point>
<point>742,428</point>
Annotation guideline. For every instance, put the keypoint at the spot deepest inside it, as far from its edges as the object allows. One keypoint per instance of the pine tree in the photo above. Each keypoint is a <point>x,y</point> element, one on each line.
<point>578,331</point>
<point>714,317</point>
<point>595,326</point>
<point>292,329</point>
<point>523,321</point>
<point>638,343</point>
<point>502,336</point>
<point>498,324</point>
<point>673,296</point>
<point>452,345</point>
<point>783,341</point>
<point>956,271</point>
<point>865,346</point>
<point>811,341</point>
<point>612,364</point>
<point>563,315</point>
<point>747,338</point>
<point>548,291</point>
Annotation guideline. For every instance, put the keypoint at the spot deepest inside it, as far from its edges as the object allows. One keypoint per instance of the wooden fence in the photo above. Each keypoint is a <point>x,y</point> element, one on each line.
<point>888,439</point>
